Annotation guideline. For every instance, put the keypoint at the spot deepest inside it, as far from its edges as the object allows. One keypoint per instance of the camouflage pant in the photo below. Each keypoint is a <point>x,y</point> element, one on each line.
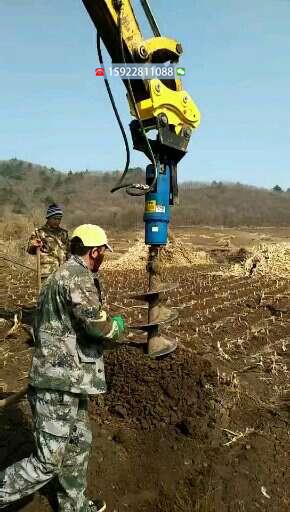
<point>63,441</point>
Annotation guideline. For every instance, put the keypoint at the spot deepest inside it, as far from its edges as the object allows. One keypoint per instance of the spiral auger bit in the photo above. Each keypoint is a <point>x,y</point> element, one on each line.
<point>157,344</point>
<point>161,181</point>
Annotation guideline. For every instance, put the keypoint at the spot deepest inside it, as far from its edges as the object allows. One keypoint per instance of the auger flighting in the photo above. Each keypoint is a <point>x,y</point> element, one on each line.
<point>157,345</point>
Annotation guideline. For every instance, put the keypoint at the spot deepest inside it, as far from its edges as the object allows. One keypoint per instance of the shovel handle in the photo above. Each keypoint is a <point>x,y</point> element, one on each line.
<point>38,269</point>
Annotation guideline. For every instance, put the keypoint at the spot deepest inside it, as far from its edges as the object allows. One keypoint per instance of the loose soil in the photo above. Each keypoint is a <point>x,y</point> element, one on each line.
<point>205,429</point>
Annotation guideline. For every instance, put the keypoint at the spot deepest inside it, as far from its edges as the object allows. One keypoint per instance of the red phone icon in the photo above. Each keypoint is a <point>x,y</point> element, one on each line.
<point>100,72</point>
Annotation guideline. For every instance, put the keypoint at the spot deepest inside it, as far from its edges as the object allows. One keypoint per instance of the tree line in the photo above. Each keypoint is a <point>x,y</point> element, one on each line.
<point>86,197</point>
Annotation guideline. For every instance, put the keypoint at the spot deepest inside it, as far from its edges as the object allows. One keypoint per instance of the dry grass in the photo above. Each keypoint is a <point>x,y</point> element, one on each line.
<point>16,227</point>
<point>14,234</point>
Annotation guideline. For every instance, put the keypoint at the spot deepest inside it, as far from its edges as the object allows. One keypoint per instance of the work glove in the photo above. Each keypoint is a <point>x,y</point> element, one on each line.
<point>120,321</point>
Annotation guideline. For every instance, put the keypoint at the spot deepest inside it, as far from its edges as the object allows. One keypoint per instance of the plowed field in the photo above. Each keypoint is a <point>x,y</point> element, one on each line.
<point>205,429</point>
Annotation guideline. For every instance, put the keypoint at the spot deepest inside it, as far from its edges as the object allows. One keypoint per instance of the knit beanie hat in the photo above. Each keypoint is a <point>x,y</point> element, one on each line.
<point>54,210</point>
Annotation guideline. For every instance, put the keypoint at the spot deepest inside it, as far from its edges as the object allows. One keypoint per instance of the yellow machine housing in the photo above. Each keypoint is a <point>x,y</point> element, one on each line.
<point>153,97</point>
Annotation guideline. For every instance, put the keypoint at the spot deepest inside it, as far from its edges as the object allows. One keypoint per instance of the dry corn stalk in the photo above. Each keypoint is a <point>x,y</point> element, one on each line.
<point>266,259</point>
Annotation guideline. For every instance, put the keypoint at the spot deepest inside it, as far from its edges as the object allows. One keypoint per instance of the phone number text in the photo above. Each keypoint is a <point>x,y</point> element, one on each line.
<point>140,71</point>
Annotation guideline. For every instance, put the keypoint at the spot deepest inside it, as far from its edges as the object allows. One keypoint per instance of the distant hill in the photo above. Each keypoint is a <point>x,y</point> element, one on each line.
<point>86,197</point>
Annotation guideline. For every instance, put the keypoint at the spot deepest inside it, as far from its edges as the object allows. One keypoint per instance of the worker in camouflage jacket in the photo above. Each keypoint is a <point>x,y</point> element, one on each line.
<point>52,240</point>
<point>71,329</point>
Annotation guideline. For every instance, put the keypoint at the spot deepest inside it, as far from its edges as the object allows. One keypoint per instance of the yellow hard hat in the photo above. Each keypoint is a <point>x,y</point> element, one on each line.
<point>92,236</point>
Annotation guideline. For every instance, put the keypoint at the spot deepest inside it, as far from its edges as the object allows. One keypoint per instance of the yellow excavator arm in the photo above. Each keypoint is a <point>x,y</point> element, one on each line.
<point>154,99</point>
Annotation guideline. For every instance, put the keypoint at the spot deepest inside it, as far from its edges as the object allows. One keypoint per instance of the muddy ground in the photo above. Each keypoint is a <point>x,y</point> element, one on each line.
<point>205,429</point>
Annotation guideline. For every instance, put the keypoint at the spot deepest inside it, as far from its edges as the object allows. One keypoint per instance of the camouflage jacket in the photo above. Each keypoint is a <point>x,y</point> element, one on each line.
<point>71,329</point>
<point>55,249</point>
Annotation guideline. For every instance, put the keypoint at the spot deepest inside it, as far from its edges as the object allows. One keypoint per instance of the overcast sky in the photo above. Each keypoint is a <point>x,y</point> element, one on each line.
<point>54,111</point>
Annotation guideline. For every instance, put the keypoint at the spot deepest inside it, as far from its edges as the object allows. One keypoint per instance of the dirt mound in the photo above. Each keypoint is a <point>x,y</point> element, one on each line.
<point>271,259</point>
<point>230,254</point>
<point>175,391</point>
<point>174,253</point>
